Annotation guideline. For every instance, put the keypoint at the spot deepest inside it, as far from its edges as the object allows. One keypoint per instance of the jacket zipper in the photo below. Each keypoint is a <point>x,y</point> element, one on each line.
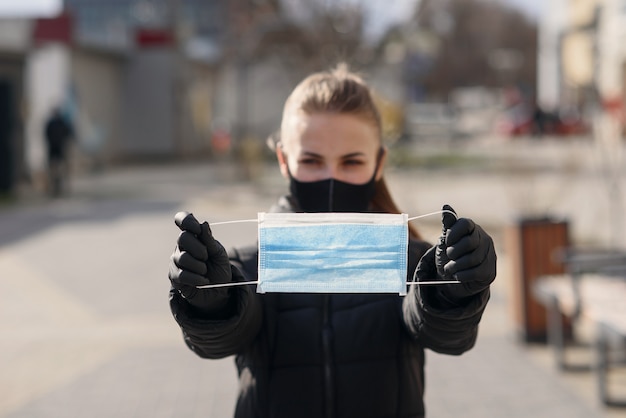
<point>328,368</point>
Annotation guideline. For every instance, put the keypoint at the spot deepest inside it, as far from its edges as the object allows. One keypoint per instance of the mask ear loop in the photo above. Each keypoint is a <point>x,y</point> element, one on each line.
<point>212,286</point>
<point>239,221</point>
<point>434,213</point>
<point>413,283</point>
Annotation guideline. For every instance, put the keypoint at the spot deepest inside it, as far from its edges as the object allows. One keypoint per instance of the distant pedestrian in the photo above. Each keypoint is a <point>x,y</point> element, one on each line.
<point>58,132</point>
<point>539,121</point>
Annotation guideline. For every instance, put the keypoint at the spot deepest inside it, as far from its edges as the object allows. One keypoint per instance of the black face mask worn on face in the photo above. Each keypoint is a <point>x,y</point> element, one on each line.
<point>332,195</point>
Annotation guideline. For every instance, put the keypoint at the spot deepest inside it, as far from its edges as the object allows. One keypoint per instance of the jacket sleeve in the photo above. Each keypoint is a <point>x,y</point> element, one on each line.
<point>224,333</point>
<point>435,322</point>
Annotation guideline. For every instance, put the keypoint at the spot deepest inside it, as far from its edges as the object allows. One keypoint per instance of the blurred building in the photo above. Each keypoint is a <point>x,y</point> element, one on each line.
<point>143,72</point>
<point>15,38</point>
<point>146,79</point>
<point>582,53</point>
<point>33,66</point>
<point>136,78</point>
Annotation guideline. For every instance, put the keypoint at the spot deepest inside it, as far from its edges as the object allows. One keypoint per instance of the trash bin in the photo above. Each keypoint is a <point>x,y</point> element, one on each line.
<point>532,243</point>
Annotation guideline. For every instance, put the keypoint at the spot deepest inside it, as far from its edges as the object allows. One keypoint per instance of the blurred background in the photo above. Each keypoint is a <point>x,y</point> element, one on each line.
<point>519,85</point>
<point>512,111</point>
<point>168,79</point>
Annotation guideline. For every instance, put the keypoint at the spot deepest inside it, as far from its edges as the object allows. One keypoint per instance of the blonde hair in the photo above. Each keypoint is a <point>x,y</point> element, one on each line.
<point>341,91</point>
<point>334,91</point>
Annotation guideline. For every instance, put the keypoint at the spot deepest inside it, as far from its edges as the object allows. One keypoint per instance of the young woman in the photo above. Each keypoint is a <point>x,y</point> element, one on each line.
<point>331,355</point>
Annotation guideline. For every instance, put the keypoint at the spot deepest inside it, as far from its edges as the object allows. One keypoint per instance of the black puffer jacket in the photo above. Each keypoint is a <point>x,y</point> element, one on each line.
<point>329,355</point>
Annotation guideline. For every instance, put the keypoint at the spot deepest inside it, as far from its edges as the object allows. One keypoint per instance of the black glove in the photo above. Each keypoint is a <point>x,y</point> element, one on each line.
<point>465,253</point>
<point>198,259</point>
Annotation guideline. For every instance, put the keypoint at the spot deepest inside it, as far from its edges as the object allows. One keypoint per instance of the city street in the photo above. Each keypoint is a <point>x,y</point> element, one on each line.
<point>85,324</point>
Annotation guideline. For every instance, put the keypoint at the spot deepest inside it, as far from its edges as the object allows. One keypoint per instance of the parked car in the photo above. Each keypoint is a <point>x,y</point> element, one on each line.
<point>522,120</point>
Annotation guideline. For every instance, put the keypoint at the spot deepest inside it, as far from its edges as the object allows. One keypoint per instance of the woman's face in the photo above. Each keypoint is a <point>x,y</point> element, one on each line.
<point>320,146</point>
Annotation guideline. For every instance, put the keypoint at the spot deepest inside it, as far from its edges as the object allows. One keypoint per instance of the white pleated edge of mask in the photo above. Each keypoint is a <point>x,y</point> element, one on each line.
<point>325,218</point>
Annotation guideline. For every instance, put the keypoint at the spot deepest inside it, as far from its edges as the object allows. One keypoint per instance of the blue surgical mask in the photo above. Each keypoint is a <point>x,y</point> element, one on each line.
<point>332,252</point>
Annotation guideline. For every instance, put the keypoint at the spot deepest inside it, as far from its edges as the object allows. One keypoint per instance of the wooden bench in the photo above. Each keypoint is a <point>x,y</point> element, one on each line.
<point>597,298</point>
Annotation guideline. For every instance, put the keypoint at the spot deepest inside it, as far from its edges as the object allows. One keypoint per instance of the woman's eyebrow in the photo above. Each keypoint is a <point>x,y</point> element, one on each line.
<point>312,154</point>
<point>350,155</point>
<point>353,154</point>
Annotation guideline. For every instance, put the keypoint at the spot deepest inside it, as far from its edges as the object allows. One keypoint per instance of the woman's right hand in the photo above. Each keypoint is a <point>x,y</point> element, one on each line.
<point>198,259</point>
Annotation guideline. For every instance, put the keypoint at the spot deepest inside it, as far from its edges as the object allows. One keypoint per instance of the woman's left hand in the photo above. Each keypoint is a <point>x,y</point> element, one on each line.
<point>464,253</point>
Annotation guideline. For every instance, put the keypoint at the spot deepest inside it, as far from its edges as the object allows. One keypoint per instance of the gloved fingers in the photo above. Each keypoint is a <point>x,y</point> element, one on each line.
<point>190,243</point>
<point>448,217</point>
<point>461,228</point>
<point>465,262</point>
<point>186,261</point>
<point>187,222</point>
<point>476,266</point>
<point>468,243</point>
<point>182,278</point>
<point>213,247</point>
<point>484,273</point>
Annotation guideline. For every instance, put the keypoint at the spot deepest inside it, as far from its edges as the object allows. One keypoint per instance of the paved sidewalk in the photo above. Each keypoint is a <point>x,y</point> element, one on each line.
<point>85,329</point>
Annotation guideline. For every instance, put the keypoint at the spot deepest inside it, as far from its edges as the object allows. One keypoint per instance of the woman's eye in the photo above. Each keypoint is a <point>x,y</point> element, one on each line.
<point>353,162</point>
<point>309,161</point>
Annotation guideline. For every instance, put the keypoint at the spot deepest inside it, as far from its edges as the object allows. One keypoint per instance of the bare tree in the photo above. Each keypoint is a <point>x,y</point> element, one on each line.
<point>480,43</point>
<point>259,30</point>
